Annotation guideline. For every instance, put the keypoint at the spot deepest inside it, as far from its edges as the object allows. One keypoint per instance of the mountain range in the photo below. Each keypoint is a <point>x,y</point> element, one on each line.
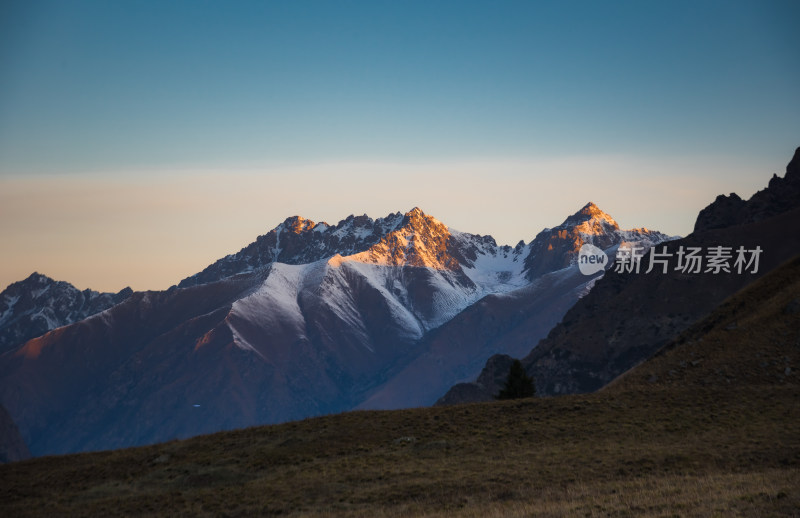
<point>314,319</point>
<point>309,319</point>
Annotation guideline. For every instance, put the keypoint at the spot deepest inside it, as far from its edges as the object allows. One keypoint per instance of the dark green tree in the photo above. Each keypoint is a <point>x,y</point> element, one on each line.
<point>518,384</point>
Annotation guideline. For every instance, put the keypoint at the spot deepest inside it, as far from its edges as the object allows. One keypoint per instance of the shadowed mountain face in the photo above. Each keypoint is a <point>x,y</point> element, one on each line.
<point>629,316</point>
<point>310,319</point>
<point>12,446</point>
<point>124,373</point>
<point>39,304</point>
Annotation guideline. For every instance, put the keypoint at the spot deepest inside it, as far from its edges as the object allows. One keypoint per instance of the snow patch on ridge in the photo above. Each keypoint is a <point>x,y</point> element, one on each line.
<point>11,301</point>
<point>497,271</point>
<point>388,281</point>
<point>276,299</point>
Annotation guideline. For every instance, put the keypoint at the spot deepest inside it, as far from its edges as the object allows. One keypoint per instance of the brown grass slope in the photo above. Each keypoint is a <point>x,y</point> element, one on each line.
<point>707,428</point>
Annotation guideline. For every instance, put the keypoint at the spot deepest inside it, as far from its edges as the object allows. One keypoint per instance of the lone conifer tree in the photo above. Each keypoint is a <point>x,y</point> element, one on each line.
<point>518,383</point>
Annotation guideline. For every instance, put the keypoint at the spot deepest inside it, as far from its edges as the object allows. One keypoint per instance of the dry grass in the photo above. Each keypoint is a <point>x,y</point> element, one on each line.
<point>664,454</point>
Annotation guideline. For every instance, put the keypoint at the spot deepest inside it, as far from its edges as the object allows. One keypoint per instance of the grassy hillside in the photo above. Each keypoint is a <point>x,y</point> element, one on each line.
<point>710,427</point>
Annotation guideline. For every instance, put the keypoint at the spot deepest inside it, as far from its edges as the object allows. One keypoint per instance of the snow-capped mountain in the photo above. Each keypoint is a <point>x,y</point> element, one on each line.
<point>300,241</point>
<point>423,272</point>
<point>309,319</point>
<point>556,248</point>
<point>38,304</point>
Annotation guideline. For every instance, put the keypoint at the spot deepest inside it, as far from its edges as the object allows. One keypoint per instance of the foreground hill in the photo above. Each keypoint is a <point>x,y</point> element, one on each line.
<point>707,428</point>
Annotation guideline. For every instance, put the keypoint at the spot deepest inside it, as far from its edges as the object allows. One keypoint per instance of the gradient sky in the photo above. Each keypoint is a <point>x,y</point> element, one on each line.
<point>142,140</point>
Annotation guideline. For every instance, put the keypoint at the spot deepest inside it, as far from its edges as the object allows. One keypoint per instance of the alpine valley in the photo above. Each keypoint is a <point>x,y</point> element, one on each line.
<point>309,319</point>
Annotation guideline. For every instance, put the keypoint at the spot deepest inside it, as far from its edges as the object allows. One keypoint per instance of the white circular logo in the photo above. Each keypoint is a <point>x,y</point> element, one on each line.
<point>591,259</point>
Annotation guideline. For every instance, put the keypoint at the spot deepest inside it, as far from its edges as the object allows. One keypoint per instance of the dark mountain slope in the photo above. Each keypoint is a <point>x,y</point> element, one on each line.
<point>12,446</point>
<point>751,340</point>
<point>80,385</point>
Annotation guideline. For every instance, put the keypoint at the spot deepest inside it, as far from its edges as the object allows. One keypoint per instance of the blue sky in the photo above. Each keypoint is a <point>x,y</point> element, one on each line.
<point>330,108</point>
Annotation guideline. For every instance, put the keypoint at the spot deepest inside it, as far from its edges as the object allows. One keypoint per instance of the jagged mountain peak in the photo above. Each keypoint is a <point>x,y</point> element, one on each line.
<point>416,214</point>
<point>38,278</point>
<point>404,238</point>
<point>34,281</point>
<point>420,240</point>
<point>300,241</point>
<point>416,239</point>
<point>590,219</point>
<point>556,248</point>
<point>416,218</point>
<point>296,225</point>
